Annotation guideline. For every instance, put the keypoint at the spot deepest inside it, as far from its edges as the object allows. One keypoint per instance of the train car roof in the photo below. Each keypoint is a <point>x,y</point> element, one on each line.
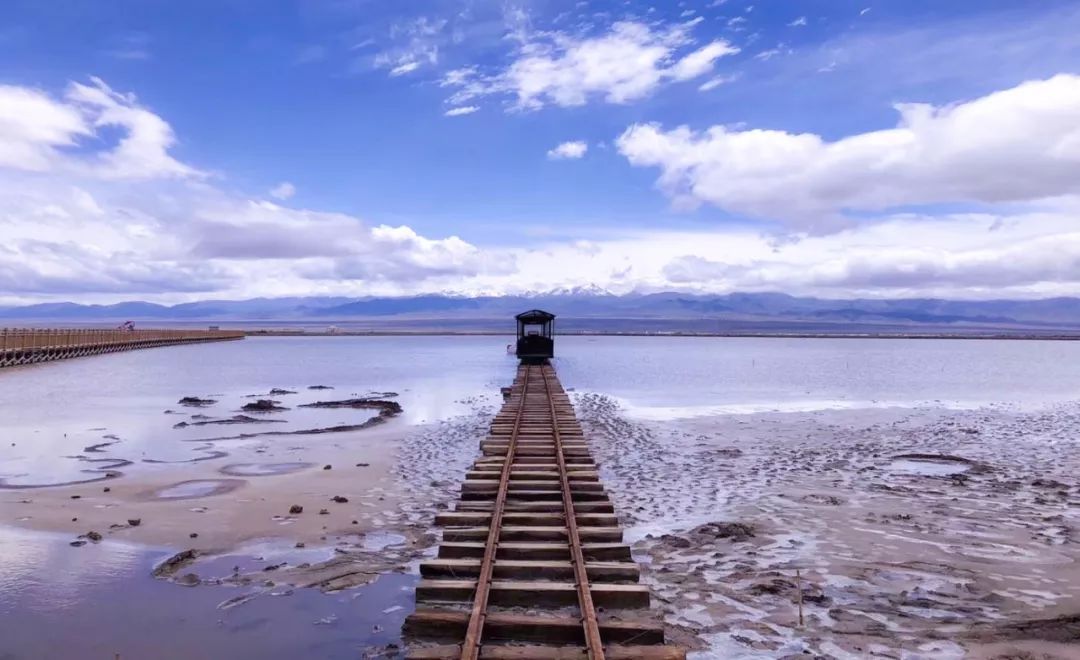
<point>535,316</point>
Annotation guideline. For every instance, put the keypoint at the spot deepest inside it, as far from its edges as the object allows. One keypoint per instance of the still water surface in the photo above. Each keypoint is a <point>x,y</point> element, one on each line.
<point>58,410</point>
<point>99,600</point>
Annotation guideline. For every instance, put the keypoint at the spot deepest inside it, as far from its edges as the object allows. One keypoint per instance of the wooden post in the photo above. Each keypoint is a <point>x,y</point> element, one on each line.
<point>798,584</point>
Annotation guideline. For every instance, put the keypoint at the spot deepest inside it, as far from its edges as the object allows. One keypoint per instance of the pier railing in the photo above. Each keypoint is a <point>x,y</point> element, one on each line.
<point>28,345</point>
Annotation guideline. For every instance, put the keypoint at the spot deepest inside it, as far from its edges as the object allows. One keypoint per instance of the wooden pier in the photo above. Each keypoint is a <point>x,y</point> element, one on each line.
<point>532,563</point>
<point>28,346</point>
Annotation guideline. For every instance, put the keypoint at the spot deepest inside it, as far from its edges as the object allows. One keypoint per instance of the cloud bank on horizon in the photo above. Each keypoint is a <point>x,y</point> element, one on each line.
<point>486,147</point>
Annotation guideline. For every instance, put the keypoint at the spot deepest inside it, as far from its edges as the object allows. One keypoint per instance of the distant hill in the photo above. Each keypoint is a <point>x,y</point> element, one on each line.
<point>589,308</point>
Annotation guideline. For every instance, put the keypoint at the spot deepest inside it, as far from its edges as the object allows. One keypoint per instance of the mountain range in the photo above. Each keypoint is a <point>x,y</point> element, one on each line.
<point>586,308</point>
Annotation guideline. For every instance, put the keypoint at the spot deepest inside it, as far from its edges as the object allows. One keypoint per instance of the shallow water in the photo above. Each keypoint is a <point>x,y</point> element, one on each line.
<point>196,488</point>
<point>103,599</point>
<point>264,469</point>
<point>927,468</point>
<point>58,417</point>
<point>669,377</point>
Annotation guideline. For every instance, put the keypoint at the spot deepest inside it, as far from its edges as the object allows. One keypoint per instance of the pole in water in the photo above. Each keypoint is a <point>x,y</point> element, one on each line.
<point>798,585</point>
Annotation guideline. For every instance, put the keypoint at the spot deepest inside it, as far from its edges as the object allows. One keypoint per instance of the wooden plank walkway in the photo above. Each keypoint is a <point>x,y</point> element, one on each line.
<point>20,346</point>
<point>532,563</point>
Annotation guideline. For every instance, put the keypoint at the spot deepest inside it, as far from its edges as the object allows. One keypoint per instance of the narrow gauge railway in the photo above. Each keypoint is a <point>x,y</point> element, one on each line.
<point>532,563</point>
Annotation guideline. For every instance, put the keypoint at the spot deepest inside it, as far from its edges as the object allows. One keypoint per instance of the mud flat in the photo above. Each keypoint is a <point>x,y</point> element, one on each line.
<point>332,459</point>
<point>904,532</point>
<point>253,500</point>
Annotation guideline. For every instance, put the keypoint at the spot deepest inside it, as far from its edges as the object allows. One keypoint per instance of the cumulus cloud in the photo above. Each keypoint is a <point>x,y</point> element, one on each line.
<point>283,190</point>
<point>45,134</point>
<point>1035,253</point>
<point>568,150</point>
<point>86,218</point>
<point>73,227</point>
<point>160,240</point>
<point>1014,145</point>
<point>627,63</point>
<point>955,255</point>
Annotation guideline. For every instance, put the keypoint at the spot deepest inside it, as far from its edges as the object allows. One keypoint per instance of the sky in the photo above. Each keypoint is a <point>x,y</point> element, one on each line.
<point>229,149</point>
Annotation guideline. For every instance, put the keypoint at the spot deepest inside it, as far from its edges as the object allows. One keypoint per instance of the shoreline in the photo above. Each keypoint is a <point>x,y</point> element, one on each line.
<point>772,335</point>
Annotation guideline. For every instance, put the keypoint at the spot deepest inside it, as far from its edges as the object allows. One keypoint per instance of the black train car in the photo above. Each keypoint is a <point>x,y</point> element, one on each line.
<point>534,331</point>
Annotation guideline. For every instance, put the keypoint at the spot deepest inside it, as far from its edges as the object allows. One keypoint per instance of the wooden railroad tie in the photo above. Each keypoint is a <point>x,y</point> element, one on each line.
<point>532,564</point>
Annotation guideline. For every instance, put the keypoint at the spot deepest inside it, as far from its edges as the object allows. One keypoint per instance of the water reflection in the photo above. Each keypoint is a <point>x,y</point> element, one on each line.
<point>99,600</point>
<point>62,416</point>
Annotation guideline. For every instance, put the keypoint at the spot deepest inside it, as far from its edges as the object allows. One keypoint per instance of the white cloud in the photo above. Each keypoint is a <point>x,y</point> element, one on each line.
<point>461,110</point>
<point>715,82</point>
<point>404,67</point>
<point>767,55</point>
<point>627,63</point>
<point>1035,253</point>
<point>175,241</point>
<point>71,232</point>
<point>125,220</point>
<point>700,62</point>
<point>41,133</point>
<point>976,255</point>
<point>798,22</point>
<point>34,127</point>
<point>1014,145</point>
<point>568,151</point>
<point>417,44</point>
<point>283,190</point>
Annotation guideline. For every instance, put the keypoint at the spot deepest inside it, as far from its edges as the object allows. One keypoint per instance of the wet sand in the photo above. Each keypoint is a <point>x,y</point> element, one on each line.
<point>915,533</point>
<point>171,507</point>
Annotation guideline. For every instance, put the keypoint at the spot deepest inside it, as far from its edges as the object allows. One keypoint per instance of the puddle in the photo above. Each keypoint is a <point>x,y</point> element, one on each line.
<point>930,467</point>
<point>256,556</point>
<point>110,605</point>
<point>106,468</point>
<point>196,488</point>
<point>376,541</point>
<point>263,469</point>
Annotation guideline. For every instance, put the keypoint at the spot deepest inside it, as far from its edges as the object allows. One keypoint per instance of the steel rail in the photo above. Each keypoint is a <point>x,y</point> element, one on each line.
<point>470,649</point>
<point>594,646</point>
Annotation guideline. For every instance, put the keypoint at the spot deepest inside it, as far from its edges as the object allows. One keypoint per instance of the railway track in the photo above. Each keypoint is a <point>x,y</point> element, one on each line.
<point>532,563</point>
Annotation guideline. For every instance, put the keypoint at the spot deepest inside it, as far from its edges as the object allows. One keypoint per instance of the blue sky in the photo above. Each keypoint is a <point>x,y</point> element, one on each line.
<point>346,101</point>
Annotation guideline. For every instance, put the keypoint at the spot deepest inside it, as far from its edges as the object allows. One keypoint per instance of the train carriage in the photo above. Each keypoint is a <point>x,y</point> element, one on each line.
<point>535,330</point>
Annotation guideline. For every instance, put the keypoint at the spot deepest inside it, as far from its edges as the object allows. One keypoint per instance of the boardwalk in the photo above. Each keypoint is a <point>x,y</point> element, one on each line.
<point>532,563</point>
<point>28,346</point>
